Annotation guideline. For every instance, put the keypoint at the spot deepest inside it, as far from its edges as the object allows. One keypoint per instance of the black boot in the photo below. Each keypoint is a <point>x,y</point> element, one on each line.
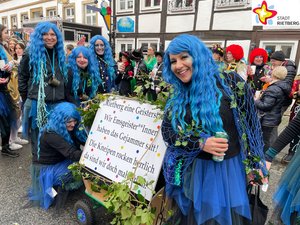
<point>8,152</point>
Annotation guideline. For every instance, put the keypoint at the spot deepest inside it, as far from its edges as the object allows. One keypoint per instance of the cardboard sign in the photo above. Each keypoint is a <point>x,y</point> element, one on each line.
<point>125,134</point>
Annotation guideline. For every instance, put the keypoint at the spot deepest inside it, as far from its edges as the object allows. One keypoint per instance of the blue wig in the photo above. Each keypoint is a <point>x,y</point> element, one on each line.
<point>58,118</point>
<point>108,57</point>
<point>92,69</point>
<point>201,94</point>
<point>37,50</point>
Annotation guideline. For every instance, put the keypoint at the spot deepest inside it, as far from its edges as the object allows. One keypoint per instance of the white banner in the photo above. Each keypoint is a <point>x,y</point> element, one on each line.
<point>280,13</point>
<point>125,134</point>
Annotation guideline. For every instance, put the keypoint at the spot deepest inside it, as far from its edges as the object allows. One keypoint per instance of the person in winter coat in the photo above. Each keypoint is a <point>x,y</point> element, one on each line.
<point>106,64</point>
<point>124,75</point>
<point>258,59</point>
<point>6,101</point>
<point>278,59</point>
<point>234,60</point>
<point>83,76</point>
<point>42,76</point>
<point>270,105</point>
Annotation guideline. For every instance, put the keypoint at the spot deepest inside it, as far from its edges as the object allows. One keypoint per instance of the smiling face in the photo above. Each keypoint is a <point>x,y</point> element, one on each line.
<point>258,60</point>
<point>71,124</point>
<point>11,45</point>
<point>81,61</point>
<point>99,47</point>
<point>50,39</point>
<point>182,66</point>
<point>19,50</point>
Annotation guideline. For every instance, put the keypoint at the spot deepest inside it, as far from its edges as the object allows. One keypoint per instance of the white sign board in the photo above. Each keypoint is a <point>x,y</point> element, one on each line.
<point>125,134</point>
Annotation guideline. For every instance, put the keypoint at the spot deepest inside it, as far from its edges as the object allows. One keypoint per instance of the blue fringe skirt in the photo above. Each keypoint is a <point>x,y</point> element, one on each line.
<point>287,196</point>
<point>213,192</point>
<point>46,177</point>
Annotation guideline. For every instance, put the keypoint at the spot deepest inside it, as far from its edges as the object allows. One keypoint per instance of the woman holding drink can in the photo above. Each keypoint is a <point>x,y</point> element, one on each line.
<point>201,123</point>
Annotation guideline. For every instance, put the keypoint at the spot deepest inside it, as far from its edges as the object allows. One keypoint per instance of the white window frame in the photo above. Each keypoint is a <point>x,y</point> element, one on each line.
<point>4,21</point>
<point>231,4</point>
<point>151,7</point>
<point>91,15</point>
<point>126,10</point>
<point>149,41</point>
<point>14,21</point>
<point>278,44</point>
<point>70,17</point>
<point>24,16</point>
<point>51,11</point>
<point>173,9</point>
<point>126,41</point>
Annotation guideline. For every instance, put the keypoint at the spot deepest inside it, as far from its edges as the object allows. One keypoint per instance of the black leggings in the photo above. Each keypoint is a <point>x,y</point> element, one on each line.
<point>5,129</point>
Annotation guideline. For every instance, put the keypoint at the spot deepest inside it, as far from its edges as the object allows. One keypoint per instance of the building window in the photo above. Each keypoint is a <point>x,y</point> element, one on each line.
<point>4,21</point>
<point>14,22</point>
<point>24,17</point>
<point>36,13</point>
<point>151,3</point>
<point>288,47</point>
<point>181,5</point>
<point>124,45</point>
<point>70,14</point>
<point>51,12</point>
<point>145,43</point>
<point>90,16</point>
<point>232,3</point>
<point>125,5</point>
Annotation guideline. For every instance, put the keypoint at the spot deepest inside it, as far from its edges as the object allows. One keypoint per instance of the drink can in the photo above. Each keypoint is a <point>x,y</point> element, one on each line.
<point>219,135</point>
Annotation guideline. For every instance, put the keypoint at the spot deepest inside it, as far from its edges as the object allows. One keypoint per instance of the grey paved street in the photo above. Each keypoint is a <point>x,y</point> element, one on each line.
<point>15,180</point>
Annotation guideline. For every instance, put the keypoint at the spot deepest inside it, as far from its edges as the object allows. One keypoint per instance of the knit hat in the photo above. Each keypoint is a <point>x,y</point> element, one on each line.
<point>258,52</point>
<point>218,50</point>
<point>279,72</point>
<point>278,55</point>
<point>236,51</point>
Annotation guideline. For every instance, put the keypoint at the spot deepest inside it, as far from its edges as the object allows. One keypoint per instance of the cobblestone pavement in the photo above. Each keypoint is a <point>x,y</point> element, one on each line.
<point>15,180</point>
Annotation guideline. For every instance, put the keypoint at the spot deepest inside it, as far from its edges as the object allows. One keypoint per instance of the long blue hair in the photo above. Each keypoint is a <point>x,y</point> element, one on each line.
<point>201,94</point>
<point>108,56</point>
<point>37,50</point>
<point>58,118</point>
<point>92,69</point>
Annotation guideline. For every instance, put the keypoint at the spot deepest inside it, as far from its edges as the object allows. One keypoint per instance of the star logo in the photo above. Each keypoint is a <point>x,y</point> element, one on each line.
<point>264,13</point>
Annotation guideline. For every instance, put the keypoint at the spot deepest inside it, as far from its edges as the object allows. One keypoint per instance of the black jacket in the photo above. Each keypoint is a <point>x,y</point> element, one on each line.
<point>271,102</point>
<point>291,73</point>
<point>30,90</point>
<point>123,80</point>
<point>286,136</point>
<point>55,149</point>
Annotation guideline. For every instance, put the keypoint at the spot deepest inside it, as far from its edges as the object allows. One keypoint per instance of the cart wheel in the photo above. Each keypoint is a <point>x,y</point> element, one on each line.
<point>84,212</point>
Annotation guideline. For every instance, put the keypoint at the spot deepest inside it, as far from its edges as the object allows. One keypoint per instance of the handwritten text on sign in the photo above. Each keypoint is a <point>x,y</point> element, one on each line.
<point>123,130</point>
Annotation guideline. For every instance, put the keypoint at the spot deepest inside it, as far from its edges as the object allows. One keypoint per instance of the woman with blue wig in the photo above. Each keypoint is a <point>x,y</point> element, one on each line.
<point>210,128</point>
<point>83,76</point>
<point>106,63</point>
<point>59,146</point>
<point>42,75</point>
<point>6,101</point>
